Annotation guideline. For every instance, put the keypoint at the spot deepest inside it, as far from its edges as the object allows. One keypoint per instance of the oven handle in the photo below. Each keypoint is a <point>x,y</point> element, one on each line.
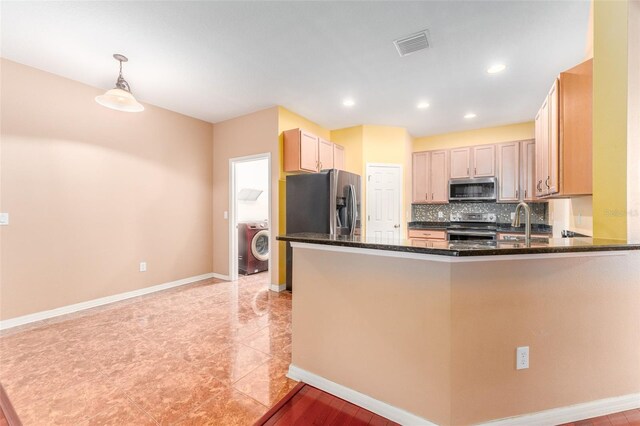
<point>479,233</point>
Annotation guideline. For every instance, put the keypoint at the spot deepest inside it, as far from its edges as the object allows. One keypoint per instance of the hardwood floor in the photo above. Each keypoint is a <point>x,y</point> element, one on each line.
<point>630,417</point>
<point>306,405</point>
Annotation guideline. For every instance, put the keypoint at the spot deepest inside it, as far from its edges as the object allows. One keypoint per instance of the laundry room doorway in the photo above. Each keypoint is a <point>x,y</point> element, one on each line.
<point>250,215</point>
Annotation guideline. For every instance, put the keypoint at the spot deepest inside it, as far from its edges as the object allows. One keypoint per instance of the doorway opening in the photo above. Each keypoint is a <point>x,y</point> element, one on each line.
<point>250,241</point>
<point>384,201</point>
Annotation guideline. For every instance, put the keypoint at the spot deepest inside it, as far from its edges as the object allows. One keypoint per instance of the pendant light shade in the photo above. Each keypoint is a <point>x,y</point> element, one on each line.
<point>120,97</point>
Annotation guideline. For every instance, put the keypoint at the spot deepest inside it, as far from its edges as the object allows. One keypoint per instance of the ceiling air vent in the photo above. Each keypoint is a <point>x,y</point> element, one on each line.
<point>412,43</point>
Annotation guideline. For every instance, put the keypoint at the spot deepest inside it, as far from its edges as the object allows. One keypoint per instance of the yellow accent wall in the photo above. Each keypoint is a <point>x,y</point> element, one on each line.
<point>351,139</point>
<point>507,133</point>
<point>610,119</point>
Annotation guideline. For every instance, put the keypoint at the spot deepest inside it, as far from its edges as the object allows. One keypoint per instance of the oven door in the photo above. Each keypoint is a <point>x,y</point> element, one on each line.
<point>466,235</point>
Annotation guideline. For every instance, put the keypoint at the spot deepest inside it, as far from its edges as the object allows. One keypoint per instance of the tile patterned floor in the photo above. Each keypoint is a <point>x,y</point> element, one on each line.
<point>211,352</point>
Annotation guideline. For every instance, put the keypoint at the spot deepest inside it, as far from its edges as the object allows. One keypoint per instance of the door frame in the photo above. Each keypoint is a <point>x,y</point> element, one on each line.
<point>400,191</point>
<point>233,210</point>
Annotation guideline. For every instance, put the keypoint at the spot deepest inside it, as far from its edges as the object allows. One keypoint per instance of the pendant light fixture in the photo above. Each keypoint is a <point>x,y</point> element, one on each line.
<point>120,97</point>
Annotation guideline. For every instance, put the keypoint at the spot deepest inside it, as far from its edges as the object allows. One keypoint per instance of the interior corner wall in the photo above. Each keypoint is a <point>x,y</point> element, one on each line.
<point>610,89</point>
<point>91,192</point>
<point>250,134</point>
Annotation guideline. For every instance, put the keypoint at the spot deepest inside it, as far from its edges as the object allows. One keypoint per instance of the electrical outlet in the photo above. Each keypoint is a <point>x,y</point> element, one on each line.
<point>4,218</point>
<point>225,215</point>
<point>522,357</point>
<point>440,215</point>
<point>513,215</point>
<point>143,266</point>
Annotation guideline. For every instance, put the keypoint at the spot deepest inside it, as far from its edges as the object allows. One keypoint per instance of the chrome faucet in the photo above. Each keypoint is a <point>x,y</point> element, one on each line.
<point>527,216</point>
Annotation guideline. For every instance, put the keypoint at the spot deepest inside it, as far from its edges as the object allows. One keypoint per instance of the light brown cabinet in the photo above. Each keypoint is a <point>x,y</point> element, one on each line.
<point>338,157</point>
<point>528,170</point>
<point>509,172</point>
<point>477,161</point>
<point>421,237</point>
<point>430,177</point>
<point>306,152</point>
<point>564,136</point>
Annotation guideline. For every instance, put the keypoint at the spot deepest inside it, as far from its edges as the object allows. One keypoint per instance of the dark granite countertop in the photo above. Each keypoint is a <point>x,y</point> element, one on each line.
<point>536,228</point>
<point>466,248</point>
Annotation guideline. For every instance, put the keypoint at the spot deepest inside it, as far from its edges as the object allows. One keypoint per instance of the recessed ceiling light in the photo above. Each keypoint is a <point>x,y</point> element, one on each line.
<point>470,115</point>
<point>496,68</point>
<point>348,102</point>
<point>422,105</point>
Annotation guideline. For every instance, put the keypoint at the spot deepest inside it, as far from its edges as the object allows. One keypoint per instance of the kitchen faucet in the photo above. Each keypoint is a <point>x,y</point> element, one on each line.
<point>527,216</point>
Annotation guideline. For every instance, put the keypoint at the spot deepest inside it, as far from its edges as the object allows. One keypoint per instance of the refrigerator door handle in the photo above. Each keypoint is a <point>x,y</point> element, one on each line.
<point>353,209</point>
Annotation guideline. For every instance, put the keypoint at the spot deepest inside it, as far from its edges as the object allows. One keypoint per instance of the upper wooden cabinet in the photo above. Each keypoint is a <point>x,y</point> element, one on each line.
<point>430,177</point>
<point>564,135</point>
<point>306,152</point>
<point>509,171</point>
<point>460,163</point>
<point>484,161</point>
<point>528,170</point>
<point>338,157</point>
<point>325,154</point>
<point>477,161</point>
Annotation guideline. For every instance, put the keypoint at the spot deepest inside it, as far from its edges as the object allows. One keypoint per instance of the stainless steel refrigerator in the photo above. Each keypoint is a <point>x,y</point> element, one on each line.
<point>327,203</point>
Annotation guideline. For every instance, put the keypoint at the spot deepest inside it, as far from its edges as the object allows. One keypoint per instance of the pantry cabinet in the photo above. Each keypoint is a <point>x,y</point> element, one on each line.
<point>430,177</point>
<point>564,135</point>
<point>306,152</point>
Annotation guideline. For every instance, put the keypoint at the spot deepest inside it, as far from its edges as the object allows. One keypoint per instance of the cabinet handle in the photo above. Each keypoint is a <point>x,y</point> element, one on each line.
<point>432,195</point>
<point>525,194</point>
<point>475,171</point>
<point>539,186</point>
<point>517,193</point>
<point>426,196</point>
<point>320,167</point>
<point>467,170</point>
<point>546,182</point>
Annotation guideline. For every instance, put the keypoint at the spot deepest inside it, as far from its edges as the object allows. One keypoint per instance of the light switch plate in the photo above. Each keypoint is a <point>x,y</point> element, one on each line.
<point>143,266</point>
<point>226,215</point>
<point>4,218</point>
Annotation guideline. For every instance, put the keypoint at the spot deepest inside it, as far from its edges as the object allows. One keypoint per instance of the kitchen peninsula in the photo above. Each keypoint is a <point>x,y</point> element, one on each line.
<point>428,335</point>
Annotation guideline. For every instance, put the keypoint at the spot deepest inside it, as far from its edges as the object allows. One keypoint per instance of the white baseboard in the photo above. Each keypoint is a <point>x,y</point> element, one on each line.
<point>221,277</point>
<point>381,408</point>
<point>277,287</point>
<point>573,413</point>
<point>39,316</point>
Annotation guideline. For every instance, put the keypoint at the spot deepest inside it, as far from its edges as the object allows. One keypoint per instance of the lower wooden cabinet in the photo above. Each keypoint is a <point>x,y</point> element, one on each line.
<point>428,234</point>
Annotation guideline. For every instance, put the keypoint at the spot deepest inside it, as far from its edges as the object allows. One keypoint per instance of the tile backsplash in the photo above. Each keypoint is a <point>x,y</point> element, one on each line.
<point>429,212</point>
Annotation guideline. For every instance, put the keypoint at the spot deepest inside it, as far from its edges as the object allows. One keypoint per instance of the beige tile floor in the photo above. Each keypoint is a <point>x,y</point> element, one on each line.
<point>212,352</point>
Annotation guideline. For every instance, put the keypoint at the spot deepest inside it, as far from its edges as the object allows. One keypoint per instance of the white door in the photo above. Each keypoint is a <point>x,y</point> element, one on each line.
<point>384,189</point>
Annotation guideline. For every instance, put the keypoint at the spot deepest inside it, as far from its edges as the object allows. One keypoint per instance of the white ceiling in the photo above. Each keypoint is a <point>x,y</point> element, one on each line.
<point>218,60</point>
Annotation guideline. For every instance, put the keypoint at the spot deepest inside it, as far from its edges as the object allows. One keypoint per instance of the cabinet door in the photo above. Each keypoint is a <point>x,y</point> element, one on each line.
<point>338,157</point>
<point>308,151</point>
<point>460,161</point>
<point>551,182</point>
<point>528,170</point>
<point>542,149</point>
<point>484,161</point>
<point>439,177</point>
<point>508,171</point>
<point>325,154</point>
<point>420,177</point>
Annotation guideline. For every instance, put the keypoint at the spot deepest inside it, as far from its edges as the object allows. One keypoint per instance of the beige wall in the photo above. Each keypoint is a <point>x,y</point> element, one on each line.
<point>439,339</point>
<point>91,192</point>
<point>251,134</point>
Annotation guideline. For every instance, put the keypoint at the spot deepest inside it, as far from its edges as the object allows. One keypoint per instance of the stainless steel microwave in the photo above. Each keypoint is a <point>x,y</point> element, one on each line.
<point>476,189</point>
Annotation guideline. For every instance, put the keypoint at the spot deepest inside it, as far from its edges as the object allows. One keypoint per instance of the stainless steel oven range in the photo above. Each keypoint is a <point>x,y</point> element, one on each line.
<point>472,226</point>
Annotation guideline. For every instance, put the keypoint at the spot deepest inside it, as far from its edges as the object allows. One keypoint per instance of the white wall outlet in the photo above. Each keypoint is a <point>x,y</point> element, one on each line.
<point>4,218</point>
<point>522,357</point>
<point>513,215</point>
<point>143,266</point>
<point>440,215</point>
<point>225,215</point>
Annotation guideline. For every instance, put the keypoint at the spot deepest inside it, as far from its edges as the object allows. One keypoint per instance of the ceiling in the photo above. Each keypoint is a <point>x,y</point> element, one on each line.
<point>218,60</point>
